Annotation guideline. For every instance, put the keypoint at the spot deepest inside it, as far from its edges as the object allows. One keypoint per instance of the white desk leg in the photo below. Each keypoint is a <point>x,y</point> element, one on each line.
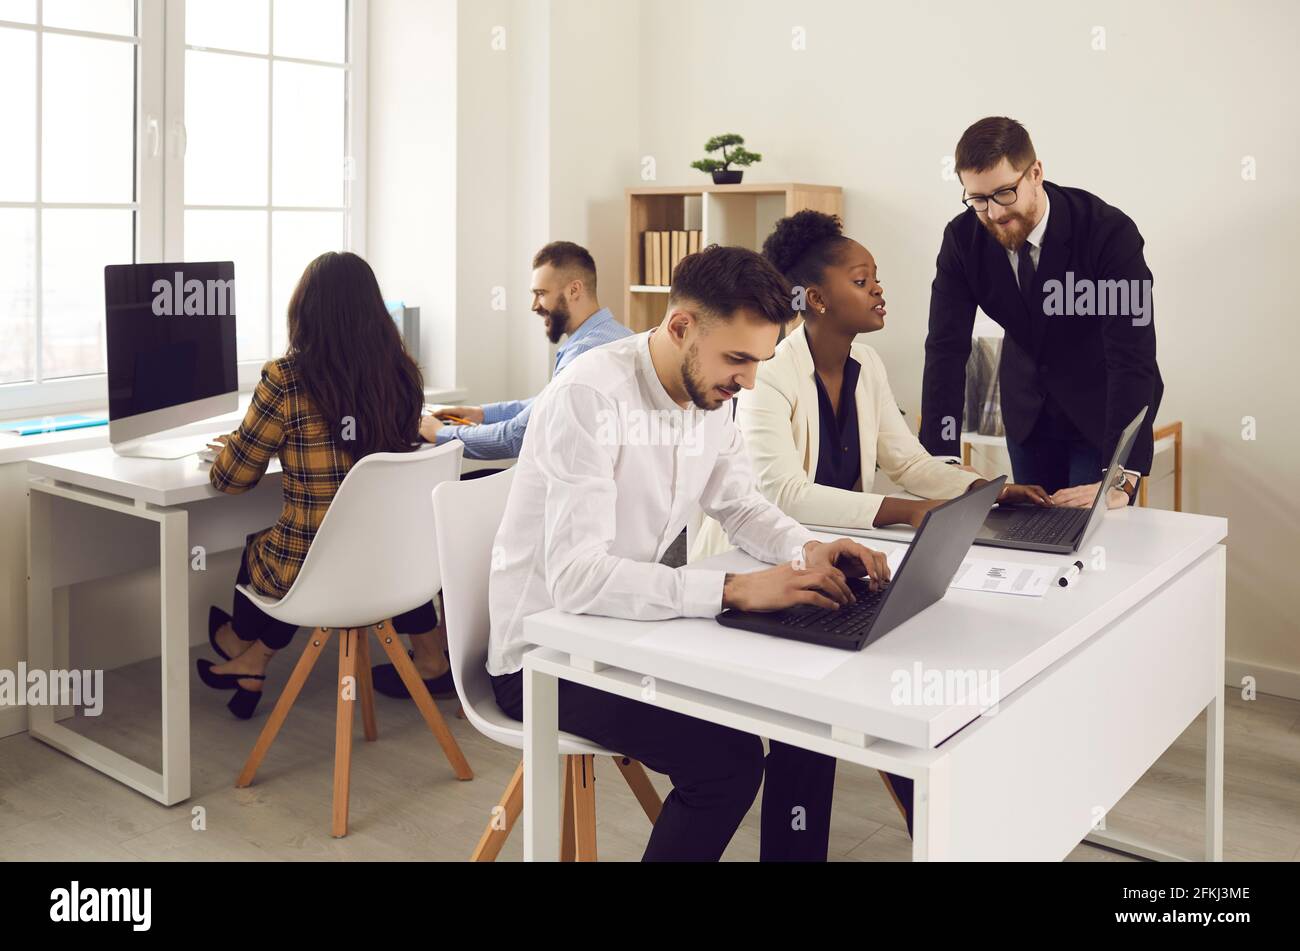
<point>541,767</point>
<point>1214,720</point>
<point>930,813</point>
<point>60,625</point>
<point>174,577</point>
<point>1214,780</point>
<point>41,609</point>
<point>47,650</point>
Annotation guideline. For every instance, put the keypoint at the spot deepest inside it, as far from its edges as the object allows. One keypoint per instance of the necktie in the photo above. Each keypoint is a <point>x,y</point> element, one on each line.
<point>1025,275</point>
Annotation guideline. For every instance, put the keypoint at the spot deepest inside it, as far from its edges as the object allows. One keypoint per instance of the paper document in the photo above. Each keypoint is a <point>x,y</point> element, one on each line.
<point>981,574</point>
<point>1004,577</point>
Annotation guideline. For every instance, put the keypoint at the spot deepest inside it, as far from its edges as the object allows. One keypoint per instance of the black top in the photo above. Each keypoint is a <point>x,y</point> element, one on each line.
<point>839,460</point>
<point>1099,370</point>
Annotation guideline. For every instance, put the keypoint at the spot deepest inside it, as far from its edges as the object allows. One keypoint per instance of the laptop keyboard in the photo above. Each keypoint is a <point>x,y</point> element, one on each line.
<point>1049,526</point>
<point>848,621</point>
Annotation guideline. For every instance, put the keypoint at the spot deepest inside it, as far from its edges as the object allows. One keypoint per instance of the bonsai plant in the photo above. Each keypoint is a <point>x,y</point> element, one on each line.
<point>723,173</point>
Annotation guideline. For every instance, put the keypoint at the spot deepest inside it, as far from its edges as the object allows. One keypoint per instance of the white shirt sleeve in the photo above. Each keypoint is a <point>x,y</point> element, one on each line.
<point>582,577</point>
<point>750,521</point>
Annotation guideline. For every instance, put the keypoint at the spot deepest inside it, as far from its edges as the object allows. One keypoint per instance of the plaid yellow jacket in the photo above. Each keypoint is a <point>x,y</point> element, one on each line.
<point>282,421</point>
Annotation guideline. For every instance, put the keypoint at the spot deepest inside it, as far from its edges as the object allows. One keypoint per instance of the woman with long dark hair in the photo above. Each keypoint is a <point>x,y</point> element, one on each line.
<point>346,388</point>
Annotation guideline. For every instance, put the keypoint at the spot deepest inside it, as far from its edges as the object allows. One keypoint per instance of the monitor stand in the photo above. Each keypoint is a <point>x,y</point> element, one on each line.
<point>177,448</point>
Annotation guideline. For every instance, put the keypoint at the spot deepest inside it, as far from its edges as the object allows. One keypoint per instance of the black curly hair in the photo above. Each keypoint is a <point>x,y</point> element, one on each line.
<point>803,245</point>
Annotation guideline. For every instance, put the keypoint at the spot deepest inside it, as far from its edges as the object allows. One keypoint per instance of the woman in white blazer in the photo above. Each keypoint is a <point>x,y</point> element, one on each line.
<point>782,418</point>
<point>821,416</point>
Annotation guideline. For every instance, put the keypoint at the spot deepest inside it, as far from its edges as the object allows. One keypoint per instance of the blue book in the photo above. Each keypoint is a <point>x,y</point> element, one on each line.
<point>53,424</point>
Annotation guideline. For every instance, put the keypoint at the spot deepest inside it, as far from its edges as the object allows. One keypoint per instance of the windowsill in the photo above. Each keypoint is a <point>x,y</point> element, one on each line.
<point>21,448</point>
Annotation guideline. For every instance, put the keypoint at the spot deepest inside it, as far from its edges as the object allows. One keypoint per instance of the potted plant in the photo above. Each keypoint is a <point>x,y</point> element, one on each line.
<point>723,173</point>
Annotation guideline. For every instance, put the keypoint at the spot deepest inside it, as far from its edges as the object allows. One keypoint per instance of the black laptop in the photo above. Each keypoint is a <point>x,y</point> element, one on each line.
<point>1059,530</point>
<point>941,544</point>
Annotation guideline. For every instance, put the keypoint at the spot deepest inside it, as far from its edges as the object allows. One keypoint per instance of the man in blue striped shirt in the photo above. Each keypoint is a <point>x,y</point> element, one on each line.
<point>564,296</point>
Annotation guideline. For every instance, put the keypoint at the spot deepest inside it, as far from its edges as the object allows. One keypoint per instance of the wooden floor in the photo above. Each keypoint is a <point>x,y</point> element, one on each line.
<point>406,805</point>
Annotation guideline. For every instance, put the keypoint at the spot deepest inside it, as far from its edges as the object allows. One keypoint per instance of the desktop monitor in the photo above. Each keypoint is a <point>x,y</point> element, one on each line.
<point>170,331</point>
<point>408,325</point>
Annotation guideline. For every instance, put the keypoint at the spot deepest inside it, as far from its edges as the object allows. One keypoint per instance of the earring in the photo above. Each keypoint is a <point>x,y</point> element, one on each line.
<point>822,310</point>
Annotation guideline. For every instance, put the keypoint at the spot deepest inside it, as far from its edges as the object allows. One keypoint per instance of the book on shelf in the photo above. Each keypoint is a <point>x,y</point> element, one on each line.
<point>648,263</point>
<point>663,251</point>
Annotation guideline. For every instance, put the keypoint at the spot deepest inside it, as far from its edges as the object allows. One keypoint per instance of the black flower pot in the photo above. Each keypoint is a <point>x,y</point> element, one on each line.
<point>729,177</point>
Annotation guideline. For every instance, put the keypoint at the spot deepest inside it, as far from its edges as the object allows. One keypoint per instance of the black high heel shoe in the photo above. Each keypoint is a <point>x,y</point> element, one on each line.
<point>244,703</point>
<point>216,618</point>
<point>389,682</point>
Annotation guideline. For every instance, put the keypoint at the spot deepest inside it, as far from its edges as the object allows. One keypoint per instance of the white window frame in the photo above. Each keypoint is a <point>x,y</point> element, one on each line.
<point>160,169</point>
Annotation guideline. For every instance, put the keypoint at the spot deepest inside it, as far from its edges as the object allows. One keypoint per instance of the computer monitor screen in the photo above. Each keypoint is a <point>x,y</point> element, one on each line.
<point>170,335</point>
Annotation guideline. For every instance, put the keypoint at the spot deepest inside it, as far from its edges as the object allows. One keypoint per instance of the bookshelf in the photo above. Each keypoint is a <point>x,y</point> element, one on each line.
<point>741,215</point>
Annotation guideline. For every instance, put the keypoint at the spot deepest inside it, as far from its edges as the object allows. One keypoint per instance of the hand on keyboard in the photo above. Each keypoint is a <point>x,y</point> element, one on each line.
<point>786,586</point>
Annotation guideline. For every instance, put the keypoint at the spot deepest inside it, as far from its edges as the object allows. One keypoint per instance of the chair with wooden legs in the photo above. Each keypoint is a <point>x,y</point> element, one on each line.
<point>466,516</point>
<point>372,559</point>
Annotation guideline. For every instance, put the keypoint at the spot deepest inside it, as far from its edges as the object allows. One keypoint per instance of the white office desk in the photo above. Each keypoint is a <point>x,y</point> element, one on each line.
<point>1095,682</point>
<point>94,514</point>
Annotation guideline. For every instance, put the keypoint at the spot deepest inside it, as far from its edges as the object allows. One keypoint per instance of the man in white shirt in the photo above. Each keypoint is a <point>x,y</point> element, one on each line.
<point>620,450</point>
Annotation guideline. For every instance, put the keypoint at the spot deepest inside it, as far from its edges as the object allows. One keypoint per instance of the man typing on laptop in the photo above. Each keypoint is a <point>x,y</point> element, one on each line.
<point>620,451</point>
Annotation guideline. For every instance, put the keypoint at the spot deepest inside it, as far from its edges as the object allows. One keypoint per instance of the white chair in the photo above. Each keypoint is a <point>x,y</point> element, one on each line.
<point>466,516</point>
<point>373,558</point>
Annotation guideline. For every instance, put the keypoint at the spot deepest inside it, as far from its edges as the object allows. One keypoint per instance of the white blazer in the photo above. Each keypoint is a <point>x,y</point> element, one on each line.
<point>781,423</point>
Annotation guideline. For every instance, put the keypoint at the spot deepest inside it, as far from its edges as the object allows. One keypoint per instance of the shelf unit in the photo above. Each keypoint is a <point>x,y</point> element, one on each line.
<point>741,215</point>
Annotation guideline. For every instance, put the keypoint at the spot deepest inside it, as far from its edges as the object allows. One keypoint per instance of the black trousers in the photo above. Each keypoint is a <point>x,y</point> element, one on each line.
<point>251,623</point>
<point>716,772</point>
<point>1055,455</point>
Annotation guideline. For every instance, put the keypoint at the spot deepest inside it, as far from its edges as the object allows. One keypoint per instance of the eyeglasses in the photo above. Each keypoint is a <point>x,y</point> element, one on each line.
<point>1003,196</point>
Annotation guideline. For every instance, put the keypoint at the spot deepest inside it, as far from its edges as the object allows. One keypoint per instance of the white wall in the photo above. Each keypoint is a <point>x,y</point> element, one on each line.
<point>1157,124</point>
<point>547,133</point>
<point>411,168</point>
<point>552,129</point>
<point>596,78</point>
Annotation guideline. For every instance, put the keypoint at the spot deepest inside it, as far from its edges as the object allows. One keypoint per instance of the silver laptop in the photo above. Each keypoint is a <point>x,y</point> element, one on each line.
<point>1059,530</point>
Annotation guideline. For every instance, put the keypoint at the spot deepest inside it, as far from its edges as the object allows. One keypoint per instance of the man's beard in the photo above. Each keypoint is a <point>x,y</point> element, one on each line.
<point>557,321</point>
<point>696,387</point>
<point>1012,239</point>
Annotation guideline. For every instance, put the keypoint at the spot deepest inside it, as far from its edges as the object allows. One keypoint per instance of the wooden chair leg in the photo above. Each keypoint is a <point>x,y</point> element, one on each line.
<point>345,703</point>
<point>584,807</point>
<point>568,835</point>
<point>311,653</point>
<point>641,787</point>
<point>392,646</point>
<point>499,826</point>
<point>366,686</point>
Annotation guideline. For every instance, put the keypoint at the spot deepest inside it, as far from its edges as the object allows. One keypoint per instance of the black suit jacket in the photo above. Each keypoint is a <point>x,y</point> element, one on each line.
<point>1100,370</point>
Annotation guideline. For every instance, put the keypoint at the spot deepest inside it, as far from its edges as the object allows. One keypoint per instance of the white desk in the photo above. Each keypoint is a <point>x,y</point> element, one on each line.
<point>1095,682</point>
<point>94,514</point>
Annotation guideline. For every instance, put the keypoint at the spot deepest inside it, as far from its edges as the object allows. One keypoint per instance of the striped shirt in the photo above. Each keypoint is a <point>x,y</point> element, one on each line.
<point>501,434</point>
<point>282,421</point>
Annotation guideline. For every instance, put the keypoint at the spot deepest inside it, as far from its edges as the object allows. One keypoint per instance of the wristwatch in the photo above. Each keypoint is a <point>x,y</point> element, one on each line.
<point>1122,482</point>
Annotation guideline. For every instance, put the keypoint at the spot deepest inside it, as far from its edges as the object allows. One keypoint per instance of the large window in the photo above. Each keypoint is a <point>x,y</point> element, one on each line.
<point>68,201</point>
<point>146,130</point>
<point>266,160</point>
